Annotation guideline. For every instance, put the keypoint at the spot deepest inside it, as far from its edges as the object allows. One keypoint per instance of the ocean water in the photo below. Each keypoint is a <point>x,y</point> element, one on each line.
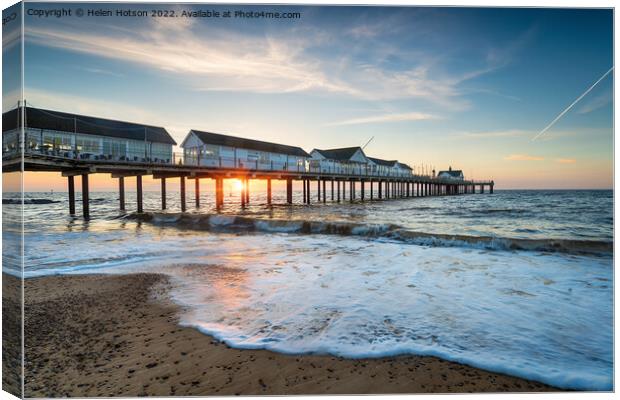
<point>518,282</point>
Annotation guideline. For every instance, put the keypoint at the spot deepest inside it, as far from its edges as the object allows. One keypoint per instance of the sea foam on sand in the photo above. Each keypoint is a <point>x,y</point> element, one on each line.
<point>546,317</point>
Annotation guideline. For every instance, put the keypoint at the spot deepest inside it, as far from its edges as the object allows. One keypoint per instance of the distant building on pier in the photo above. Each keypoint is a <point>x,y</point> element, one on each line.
<point>346,160</point>
<point>67,135</point>
<point>353,160</point>
<point>225,151</point>
<point>451,174</point>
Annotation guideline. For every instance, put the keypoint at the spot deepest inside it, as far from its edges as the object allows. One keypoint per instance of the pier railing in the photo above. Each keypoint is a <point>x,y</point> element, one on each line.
<point>179,159</point>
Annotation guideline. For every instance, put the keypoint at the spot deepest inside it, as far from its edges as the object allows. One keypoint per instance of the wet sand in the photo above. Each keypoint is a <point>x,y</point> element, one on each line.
<point>99,335</point>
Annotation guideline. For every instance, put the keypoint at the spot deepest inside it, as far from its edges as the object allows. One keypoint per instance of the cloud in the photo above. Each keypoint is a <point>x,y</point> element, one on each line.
<point>294,60</point>
<point>412,116</point>
<point>596,102</point>
<point>100,71</point>
<point>523,157</point>
<point>566,160</point>
<point>246,63</point>
<point>115,110</point>
<point>494,134</point>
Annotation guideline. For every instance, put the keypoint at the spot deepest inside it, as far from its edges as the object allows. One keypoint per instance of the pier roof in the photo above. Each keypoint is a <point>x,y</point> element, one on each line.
<point>343,154</point>
<point>68,122</point>
<point>251,144</point>
<point>379,161</point>
<point>455,173</point>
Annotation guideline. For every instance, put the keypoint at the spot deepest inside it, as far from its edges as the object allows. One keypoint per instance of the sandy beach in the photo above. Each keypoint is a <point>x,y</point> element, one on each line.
<point>102,335</point>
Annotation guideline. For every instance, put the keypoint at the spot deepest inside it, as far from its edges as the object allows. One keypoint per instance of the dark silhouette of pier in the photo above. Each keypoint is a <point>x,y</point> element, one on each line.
<point>332,187</point>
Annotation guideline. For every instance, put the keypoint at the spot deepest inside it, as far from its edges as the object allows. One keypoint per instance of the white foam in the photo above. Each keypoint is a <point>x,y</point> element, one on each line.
<point>543,317</point>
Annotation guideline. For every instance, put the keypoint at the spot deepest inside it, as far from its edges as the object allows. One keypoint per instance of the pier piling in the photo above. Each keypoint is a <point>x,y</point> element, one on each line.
<point>121,193</point>
<point>139,193</point>
<point>197,191</point>
<point>303,183</point>
<point>269,191</point>
<point>163,193</point>
<point>219,192</point>
<point>85,194</point>
<point>71,184</point>
<point>183,205</point>
<point>338,193</point>
<point>289,191</point>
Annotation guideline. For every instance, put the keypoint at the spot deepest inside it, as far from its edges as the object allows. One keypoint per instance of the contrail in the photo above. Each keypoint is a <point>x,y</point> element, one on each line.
<point>572,104</point>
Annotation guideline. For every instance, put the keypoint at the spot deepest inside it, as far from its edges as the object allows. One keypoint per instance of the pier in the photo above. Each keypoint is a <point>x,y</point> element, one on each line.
<point>36,139</point>
<point>335,187</point>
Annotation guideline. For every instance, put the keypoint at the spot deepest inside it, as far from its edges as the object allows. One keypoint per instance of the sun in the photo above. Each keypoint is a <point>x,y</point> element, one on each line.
<point>237,185</point>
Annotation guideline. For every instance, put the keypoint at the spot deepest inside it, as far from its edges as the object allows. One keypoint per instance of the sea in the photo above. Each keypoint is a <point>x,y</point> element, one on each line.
<point>517,282</point>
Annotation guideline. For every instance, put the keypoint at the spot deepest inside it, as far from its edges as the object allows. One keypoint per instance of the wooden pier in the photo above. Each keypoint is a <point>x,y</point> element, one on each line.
<point>360,187</point>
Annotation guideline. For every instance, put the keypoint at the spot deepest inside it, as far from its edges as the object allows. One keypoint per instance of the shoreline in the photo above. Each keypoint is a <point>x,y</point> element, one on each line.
<point>118,335</point>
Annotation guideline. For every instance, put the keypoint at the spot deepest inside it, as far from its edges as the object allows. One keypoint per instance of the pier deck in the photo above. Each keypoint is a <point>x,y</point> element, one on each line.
<point>387,187</point>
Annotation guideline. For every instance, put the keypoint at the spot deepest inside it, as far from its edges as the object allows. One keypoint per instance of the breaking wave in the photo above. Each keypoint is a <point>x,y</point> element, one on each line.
<point>241,224</point>
<point>29,201</point>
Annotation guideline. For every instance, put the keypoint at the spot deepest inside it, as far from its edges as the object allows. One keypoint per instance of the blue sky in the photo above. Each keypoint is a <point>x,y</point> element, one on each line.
<point>467,87</point>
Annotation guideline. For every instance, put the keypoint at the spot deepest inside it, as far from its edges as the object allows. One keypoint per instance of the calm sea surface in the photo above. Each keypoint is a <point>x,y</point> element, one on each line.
<point>519,282</point>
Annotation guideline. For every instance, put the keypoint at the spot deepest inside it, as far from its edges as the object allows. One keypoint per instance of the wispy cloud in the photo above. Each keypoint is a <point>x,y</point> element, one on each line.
<point>565,161</point>
<point>596,102</point>
<point>295,61</point>
<point>412,116</point>
<point>523,157</point>
<point>493,134</point>
<point>100,71</point>
<point>105,109</point>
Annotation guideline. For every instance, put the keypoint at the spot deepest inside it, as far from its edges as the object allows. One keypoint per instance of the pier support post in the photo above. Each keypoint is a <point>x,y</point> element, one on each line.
<point>121,193</point>
<point>197,192</point>
<point>71,188</point>
<point>324,191</point>
<point>407,189</point>
<point>139,193</point>
<point>332,183</point>
<point>371,190</point>
<point>247,190</point>
<point>85,194</point>
<point>362,194</point>
<point>163,193</point>
<point>338,189</point>
<point>243,192</point>
<point>351,190</point>
<point>318,188</point>
<point>491,188</point>
<point>269,191</point>
<point>379,190</point>
<point>183,206</point>
<point>308,191</point>
<point>344,190</point>
<point>303,183</point>
<point>219,192</point>
<point>289,191</point>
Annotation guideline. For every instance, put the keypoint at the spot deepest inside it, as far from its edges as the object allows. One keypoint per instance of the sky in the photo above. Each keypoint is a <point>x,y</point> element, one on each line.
<point>437,87</point>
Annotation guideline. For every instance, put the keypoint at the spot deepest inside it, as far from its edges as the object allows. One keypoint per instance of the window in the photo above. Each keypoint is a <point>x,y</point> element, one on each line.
<point>114,147</point>
<point>55,141</point>
<point>87,145</point>
<point>211,151</point>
